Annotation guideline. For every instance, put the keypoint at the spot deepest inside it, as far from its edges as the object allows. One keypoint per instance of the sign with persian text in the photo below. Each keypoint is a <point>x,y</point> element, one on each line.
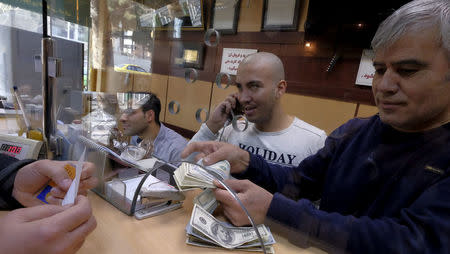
<point>366,70</point>
<point>232,57</point>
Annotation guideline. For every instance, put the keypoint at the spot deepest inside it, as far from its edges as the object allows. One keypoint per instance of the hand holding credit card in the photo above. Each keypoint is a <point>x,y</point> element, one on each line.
<point>74,172</point>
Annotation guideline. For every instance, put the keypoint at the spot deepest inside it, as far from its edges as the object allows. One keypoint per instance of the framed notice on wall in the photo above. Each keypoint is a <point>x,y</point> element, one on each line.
<point>366,70</point>
<point>280,15</point>
<point>232,57</point>
<point>225,15</point>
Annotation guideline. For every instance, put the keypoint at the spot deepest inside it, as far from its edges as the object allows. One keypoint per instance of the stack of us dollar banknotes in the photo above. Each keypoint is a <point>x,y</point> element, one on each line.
<point>188,175</point>
<point>205,230</point>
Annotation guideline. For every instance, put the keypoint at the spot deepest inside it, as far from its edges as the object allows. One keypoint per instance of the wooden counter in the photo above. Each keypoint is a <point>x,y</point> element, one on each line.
<point>118,233</point>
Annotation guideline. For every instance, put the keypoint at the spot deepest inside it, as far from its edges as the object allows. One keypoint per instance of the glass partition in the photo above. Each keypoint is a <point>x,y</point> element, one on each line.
<point>135,81</point>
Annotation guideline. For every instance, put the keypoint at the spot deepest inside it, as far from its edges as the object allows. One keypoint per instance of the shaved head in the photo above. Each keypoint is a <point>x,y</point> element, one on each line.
<point>265,61</point>
<point>261,84</point>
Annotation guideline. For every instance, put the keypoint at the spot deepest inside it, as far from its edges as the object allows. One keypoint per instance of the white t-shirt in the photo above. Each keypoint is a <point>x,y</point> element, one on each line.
<point>287,147</point>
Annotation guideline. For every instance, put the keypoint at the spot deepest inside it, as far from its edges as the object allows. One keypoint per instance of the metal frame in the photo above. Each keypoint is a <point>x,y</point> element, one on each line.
<point>233,29</point>
<point>291,27</point>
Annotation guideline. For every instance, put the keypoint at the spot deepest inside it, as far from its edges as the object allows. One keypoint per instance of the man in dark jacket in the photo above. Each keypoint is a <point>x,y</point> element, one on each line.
<point>48,228</point>
<point>383,182</point>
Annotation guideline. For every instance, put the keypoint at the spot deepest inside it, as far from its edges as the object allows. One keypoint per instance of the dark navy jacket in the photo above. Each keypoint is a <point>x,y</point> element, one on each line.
<point>381,191</point>
<point>8,170</point>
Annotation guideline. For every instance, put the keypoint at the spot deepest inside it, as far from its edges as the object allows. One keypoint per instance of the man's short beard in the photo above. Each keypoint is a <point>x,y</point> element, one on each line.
<point>133,132</point>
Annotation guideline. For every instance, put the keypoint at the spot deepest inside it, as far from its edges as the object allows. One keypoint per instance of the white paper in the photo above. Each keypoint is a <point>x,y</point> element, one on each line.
<point>366,70</point>
<point>146,164</point>
<point>71,194</point>
<point>232,57</point>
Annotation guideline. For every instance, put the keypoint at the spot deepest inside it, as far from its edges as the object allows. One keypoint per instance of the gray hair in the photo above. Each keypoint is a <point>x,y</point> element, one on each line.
<point>415,16</point>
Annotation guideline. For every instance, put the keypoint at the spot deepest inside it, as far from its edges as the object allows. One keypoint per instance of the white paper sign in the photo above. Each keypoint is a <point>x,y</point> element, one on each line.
<point>232,57</point>
<point>366,70</point>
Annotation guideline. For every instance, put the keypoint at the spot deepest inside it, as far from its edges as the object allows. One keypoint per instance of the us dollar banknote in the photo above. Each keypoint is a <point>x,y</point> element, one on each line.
<point>198,242</point>
<point>189,175</point>
<point>226,236</point>
<point>206,200</point>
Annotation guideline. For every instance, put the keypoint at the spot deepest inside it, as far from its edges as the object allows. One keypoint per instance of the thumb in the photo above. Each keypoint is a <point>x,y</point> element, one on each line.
<point>226,198</point>
<point>38,212</point>
<point>59,177</point>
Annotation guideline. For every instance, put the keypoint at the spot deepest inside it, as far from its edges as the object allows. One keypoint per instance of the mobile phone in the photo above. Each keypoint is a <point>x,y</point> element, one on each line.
<point>238,109</point>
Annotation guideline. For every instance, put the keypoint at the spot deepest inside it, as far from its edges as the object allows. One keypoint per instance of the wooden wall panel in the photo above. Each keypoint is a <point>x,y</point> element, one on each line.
<point>161,54</point>
<point>366,111</point>
<point>154,83</point>
<point>308,76</point>
<point>324,113</point>
<point>305,68</point>
<point>250,16</point>
<point>276,37</point>
<point>142,82</point>
<point>115,82</point>
<point>191,97</point>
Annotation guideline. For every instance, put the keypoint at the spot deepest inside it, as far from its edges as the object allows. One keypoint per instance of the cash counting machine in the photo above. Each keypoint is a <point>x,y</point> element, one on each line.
<point>141,188</point>
<point>19,147</point>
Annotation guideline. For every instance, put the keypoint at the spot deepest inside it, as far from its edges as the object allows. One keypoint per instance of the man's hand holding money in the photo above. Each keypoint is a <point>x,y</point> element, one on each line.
<point>255,199</point>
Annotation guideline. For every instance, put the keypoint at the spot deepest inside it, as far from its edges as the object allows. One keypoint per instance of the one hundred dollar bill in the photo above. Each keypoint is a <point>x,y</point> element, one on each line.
<point>207,200</point>
<point>225,236</point>
<point>191,232</point>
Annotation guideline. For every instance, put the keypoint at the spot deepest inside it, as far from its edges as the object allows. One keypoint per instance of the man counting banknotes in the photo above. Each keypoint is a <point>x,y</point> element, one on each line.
<point>383,182</point>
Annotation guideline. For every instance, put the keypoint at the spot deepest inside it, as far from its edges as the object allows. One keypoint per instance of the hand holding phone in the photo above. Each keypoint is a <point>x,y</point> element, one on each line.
<point>237,110</point>
<point>223,112</point>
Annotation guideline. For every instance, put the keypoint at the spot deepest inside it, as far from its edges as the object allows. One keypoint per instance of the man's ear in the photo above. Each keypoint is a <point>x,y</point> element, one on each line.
<point>281,88</point>
<point>149,115</point>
